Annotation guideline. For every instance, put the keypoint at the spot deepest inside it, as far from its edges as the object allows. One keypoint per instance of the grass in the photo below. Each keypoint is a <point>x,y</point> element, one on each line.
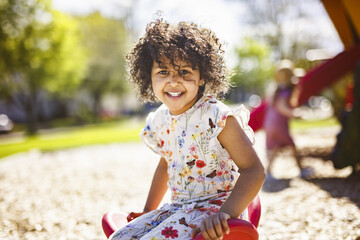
<point>297,125</point>
<point>73,137</point>
<point>125,131</point>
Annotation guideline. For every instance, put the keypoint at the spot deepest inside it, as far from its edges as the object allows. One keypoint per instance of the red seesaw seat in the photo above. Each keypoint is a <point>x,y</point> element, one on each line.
<point>239,229</point>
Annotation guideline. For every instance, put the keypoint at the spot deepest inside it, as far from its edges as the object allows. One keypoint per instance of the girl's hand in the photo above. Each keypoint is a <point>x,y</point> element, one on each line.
<point>133,215</point>
<point>213,227</point>
<point>298,113</point>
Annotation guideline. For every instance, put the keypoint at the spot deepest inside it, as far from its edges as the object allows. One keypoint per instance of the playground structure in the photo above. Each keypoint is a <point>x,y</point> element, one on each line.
<point>314,82</point>
<point>346,19</point>
<point>345,15</point>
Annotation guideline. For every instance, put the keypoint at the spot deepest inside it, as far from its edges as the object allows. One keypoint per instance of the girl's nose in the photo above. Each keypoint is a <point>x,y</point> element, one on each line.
<point>174,79</point>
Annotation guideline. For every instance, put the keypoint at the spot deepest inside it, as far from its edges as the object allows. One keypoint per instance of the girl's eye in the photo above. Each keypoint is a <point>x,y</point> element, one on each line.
<point>183,72</point>
<point>163,72</point>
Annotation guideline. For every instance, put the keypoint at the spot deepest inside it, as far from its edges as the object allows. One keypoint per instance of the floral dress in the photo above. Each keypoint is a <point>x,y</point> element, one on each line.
<point>201,172</point>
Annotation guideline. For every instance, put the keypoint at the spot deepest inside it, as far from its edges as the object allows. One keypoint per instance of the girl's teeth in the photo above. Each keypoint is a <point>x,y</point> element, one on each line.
<point>174,94</point>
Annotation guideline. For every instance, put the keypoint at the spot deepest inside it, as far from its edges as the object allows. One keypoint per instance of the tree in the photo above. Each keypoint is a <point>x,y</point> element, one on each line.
<point>254,66</point>
<point>276,22</point>
<point>105,40</point>
<point>40,52</point>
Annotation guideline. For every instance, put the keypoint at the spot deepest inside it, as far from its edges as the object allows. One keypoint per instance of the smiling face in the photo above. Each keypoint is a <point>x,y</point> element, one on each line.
<point>176,86</point>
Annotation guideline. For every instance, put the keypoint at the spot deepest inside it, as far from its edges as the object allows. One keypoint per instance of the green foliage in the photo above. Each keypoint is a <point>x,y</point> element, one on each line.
<point>254,66</point>
<point>105,41</point>
<point>276,23</point>
<point>40,52</point>
<point>65,62</point>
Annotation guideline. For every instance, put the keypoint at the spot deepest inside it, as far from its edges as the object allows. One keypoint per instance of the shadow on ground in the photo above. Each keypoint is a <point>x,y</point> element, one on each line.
<point>323,153</point>
<point>276,185</point>
<point>340,187</point>
<point>337,186</point>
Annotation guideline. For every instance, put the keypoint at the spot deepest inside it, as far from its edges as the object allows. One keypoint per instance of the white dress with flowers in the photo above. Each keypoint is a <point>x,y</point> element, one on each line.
<point>201,172</point>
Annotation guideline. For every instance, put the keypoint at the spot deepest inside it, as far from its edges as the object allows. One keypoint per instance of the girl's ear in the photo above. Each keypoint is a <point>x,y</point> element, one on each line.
<point>201,87</point>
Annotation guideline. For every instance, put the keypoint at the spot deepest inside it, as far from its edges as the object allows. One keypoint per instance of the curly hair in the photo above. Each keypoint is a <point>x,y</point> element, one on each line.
<point>186,42</point>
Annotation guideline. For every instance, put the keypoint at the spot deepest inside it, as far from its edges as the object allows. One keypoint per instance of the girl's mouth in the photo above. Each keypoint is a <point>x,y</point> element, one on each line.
<point>174,94</point>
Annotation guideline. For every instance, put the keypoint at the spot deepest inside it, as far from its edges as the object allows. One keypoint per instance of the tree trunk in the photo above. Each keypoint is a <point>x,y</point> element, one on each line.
<point>31,114</point>
<point>96,106</point>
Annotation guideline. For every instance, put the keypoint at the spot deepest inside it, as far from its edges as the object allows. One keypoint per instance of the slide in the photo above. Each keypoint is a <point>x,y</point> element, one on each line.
<point>324,75</point>
<point>314,82</point>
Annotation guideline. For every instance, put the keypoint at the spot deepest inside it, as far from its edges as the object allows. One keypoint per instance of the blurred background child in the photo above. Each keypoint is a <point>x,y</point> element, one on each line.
<point>277,117</point>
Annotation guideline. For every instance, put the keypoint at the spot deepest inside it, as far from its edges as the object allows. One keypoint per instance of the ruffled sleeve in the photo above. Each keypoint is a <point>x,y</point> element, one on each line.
<point>149,132</point>
<point>243,117</point>
<point>240,113</point>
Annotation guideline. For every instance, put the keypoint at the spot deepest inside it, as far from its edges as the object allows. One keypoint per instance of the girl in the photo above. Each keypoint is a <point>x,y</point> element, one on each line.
<point>277,117</point>
<point>201,142</point>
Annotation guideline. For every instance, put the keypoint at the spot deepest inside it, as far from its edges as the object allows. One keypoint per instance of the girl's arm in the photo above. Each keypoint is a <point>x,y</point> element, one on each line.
<point>158,186</point>
<point>252,173</point>
<point>235,141</point>
<point>283,107</point>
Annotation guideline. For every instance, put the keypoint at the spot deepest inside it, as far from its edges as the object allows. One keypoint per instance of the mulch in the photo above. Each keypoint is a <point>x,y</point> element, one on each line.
<point>64,194</point>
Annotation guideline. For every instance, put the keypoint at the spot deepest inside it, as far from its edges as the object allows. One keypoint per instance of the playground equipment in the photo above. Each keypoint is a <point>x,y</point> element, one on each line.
<point>346,19</point>
<point>239,229</point>
<point>314,82</point>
